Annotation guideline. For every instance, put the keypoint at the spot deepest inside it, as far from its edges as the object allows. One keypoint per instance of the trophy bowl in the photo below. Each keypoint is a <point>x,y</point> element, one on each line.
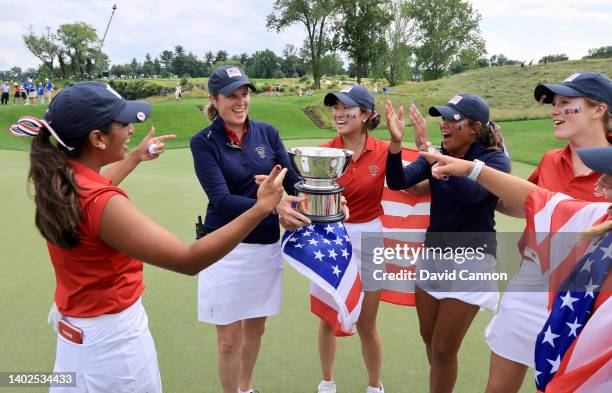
<point>320,167</point>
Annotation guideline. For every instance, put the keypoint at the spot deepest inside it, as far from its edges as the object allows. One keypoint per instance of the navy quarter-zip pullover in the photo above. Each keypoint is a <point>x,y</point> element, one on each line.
<point>226,173</point>
<point>457,204</point>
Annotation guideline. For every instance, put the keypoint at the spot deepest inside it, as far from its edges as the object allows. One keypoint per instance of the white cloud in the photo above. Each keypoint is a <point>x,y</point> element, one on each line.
<point>521,29</point>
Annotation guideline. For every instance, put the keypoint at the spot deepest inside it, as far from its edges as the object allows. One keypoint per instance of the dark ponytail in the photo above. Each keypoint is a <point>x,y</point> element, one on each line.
<point>56,193</point>
<point>491,136</point>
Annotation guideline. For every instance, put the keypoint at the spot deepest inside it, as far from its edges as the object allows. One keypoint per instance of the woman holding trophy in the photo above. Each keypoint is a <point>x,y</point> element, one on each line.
<point>354,114</point>
<point>245,287</point>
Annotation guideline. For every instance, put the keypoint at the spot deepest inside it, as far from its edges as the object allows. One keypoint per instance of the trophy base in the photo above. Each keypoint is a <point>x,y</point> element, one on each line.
<point>326,219</point>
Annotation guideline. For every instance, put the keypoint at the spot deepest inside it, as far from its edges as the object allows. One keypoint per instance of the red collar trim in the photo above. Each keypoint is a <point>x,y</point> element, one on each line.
<point>231,135</point>
<point>89,173</point>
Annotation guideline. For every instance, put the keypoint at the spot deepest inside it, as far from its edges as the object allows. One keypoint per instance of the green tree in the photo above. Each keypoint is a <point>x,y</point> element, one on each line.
<point>332,64</point>
<point>264,64</point>
<point>554,58</point>
<point>178,61</point>
<point>74,46</point>
<point>292,64</point>
<point>360,32</point>
<point>315,16</point>
<point>221,56</point>
<point>398,46</point>
<point>165,59</point>
<point>604,51</point>
<point>444,28</point>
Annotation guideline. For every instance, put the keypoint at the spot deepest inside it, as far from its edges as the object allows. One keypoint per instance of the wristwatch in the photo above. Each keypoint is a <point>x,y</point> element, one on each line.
<point>476,170</point>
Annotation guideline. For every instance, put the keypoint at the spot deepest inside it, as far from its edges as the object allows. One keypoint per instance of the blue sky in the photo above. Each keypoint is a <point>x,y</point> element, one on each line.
<point>520,29</point>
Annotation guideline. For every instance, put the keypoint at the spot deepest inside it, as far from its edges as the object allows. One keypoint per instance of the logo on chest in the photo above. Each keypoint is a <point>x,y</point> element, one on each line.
<point>373,170</point>
<point>598,191</point>
<point>261,151</point>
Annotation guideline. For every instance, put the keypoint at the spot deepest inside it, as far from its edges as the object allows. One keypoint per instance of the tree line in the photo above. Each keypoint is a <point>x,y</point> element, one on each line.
<point>395,40</point>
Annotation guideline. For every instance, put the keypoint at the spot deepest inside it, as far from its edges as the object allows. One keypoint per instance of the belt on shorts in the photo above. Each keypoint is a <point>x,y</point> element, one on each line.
<point>70,332</point>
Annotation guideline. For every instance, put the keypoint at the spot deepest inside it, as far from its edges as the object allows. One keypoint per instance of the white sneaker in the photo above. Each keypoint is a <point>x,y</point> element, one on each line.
<point>327,387</point>
<point>371,389</point>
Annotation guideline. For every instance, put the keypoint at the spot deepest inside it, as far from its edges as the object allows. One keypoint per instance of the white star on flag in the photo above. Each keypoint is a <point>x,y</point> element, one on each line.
<point>332,254</point>
<point>306,233</point>
<point>537,374</point>
<point>568,301</point>
<point>299,245</point>
<point>326,241</point>
<point>319,255</point>
<point>607,252</point>
<point>573,327</point>
<point>346,238</point>
<point>555,364</point>
<point>549,337</point>
<point>336,271</point>
<point>292,239</point>
<point>313,242</point>
<point>329,229</point>
<point>338,241</point>
<point>345,253</point>
<point>587,265</point>
<point>311,227</point>
<point>590,287</point>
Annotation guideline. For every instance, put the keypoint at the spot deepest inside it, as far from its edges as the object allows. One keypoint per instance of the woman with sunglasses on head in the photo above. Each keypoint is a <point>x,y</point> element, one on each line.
<point>580,111</point>
<point>462,215</point>
<point>238,294</point>
<point>97,237</point>
<point>572,350</point>
<point>354,114</point>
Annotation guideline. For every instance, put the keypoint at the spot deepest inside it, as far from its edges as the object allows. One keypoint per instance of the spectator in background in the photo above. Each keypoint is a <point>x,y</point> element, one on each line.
<point>277,89</point>
<point>375,88</point>
<point>385,89</point>
<point>178,92</point>
<point>300,92</point>
<point>24,92</point>
<point>309,92</point>
<point>5,92</point>
<point>269,89</point>
<point>49,89</point>
<point>17,95</point>
<point>41,93</point>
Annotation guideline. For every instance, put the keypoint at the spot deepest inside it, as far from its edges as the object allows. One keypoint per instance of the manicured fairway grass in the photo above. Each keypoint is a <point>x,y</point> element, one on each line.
<point>526,139</point>
<point>167,191</point>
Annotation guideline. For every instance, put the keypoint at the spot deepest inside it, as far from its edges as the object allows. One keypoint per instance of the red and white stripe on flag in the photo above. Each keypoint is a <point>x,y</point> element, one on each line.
<point>407,215</point>
<point>554,221</point>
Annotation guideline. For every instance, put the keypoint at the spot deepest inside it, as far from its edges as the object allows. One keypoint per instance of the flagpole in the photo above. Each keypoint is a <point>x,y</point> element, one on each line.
<point>108,25</point>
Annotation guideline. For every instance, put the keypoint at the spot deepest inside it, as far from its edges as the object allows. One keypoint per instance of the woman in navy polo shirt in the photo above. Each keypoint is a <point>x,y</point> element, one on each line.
<point>462,215</point>
<point>245,288</point>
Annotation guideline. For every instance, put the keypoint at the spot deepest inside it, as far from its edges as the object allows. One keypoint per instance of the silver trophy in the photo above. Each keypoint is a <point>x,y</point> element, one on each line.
<point>320,167</point>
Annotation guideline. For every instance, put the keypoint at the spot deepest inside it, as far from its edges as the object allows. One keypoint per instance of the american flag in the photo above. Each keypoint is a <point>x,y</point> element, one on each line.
<point>322,253</point>
<point>405,220</point>
<point>574,349</point>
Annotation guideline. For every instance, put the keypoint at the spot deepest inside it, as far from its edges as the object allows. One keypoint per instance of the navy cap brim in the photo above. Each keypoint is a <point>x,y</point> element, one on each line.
<point>134,112</point>
<point>445,112</point>
<point>551,90</point>
<point>331,98</point>
<point>230,88</point>
<point>598,159</point>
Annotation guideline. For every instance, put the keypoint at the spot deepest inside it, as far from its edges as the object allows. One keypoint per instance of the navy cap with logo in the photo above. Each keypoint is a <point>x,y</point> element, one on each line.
<point>226,79</point>
<point>581,84</point>
<point>84,106</point>
<point>463,106</point>
<point>598,159</point>
<point>352,96</point>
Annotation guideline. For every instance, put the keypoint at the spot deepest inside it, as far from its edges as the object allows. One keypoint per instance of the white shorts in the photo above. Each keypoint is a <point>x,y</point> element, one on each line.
<point>246,283</point>
<point>522,313</point>
<point>363,253</point>
<point>117,354</point>
<point>481,293</point>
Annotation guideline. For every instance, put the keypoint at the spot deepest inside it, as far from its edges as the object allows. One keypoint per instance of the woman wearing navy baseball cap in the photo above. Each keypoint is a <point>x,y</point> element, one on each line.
<point>354,114</point>
<point>97,238</point>
<point>572,349</point>
<point>462,215</point>
<point>581,108</point>
<point>238,294</point>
